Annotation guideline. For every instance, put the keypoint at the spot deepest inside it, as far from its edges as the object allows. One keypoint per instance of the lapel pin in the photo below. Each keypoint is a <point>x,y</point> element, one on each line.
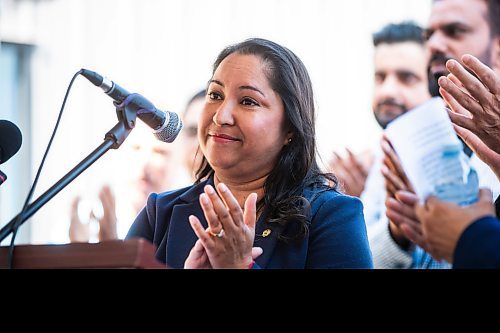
<point>266,232</point>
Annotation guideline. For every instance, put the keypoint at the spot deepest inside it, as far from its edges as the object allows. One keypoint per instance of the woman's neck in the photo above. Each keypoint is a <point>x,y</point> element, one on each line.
<point>241,190</point>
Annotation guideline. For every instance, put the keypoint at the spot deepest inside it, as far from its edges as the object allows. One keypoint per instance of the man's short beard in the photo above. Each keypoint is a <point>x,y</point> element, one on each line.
<point>433,85</point>
<point>380,119</point>
<point>433,78</point>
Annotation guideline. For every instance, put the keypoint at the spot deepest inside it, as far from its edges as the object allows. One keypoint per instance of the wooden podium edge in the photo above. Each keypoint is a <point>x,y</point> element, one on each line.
<point>133,253</point>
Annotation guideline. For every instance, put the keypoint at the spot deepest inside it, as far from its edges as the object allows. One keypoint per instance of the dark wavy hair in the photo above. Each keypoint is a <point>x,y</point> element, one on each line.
<point>494,17</point>
<point>394,33</point>
<point>296,167</point>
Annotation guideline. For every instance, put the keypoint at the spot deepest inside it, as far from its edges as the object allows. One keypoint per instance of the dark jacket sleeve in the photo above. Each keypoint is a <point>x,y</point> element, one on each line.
<point>479,245</point>
<point>143,225</point>
<point>338,236</point>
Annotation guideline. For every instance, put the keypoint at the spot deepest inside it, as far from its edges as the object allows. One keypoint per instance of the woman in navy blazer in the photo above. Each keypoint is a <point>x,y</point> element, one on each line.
<point>260,199</point>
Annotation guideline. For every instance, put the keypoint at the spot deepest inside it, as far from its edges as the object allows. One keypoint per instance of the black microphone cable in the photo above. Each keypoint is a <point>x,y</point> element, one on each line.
<point>33,186</point>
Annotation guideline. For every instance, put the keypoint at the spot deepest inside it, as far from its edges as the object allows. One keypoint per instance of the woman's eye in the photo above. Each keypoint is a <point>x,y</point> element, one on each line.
<point>214,96</point>
<point>249,102</point>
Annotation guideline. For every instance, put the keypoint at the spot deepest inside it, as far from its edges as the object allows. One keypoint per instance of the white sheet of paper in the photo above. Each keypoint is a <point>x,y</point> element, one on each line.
<point>431,154</point>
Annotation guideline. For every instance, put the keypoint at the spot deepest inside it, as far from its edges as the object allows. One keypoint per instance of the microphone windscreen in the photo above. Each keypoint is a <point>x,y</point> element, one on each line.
<point>172,126</point>
<point>10,140</point>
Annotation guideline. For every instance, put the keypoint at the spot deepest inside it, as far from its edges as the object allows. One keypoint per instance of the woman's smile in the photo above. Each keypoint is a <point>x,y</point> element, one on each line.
<point>223,138</point>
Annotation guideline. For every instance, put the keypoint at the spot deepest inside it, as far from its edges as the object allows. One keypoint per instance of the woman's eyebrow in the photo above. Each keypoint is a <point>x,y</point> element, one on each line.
<point>252,88</point>
<point>241,88</point>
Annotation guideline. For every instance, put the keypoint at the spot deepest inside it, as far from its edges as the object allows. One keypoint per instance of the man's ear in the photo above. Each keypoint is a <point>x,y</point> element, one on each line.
<point>495,55</point>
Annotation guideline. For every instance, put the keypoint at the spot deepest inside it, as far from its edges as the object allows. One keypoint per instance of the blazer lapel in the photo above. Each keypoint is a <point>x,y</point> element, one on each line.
<point>181,237</point>
<point>266,237</point>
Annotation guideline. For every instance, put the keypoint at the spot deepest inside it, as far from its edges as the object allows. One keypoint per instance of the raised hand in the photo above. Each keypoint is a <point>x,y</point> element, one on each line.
<point>198,258</point>
<point>401,199</point>
<point>392,170</point>
<point>108,220</point>
<point>474,100</point>
<point>444,222</point>
<point>229,238</point>
<point>351,172</point>
<point>79,231</point>
<point>404,223</point>
<point>487,155</point>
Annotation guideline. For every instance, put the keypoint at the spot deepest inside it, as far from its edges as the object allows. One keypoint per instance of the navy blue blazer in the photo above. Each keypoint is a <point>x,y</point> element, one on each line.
<point>337,233</point>
<point>479,245</point>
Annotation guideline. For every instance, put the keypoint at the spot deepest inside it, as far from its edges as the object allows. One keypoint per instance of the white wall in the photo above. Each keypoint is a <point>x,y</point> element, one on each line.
<point>164,49</point>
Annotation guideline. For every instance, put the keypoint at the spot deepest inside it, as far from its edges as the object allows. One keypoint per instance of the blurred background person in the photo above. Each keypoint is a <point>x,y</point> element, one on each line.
<point>400,84</point>
<point>150,165</point>
<point>468,237</point>
<point>192,155</point>
<point>455,27</point>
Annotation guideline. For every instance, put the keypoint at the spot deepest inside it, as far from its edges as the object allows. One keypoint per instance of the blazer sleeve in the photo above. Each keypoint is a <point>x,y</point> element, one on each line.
<point>143,225</point>
<point>479,245</point>
<point>338,236</point>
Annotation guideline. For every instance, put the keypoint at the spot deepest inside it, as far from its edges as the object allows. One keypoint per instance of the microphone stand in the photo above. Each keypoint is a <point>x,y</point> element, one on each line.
<point>112,140</point>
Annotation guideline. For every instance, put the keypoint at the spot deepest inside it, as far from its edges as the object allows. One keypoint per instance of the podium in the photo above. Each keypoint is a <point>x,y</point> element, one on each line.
<point>133,253</point>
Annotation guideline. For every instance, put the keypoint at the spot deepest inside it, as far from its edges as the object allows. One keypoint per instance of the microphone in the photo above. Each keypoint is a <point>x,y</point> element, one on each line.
<point>3,177</point>
<point>166,125</point>
<point>10,140</point>
<point>10,143</point>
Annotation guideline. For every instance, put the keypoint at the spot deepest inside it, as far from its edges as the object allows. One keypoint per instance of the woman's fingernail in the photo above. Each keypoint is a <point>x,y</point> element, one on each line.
<point>204,199</point>
<point>222,187</point>
<point>191,220</point>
